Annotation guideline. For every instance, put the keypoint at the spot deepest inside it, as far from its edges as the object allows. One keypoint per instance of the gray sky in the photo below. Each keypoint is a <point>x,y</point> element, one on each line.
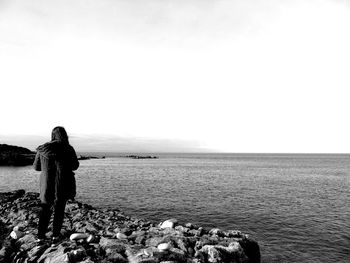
<point>236,76</point>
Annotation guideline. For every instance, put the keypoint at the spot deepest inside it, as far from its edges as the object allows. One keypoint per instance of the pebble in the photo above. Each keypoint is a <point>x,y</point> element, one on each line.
<point>77,236</point>
<point>90,238</point>
<point>164,246</point>
<point>170,223</point>
<point>121,236</point>
<point>15,234</point>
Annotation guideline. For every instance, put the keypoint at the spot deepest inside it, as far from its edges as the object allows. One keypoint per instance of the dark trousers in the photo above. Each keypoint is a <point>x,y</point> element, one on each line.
<point>45,215</point>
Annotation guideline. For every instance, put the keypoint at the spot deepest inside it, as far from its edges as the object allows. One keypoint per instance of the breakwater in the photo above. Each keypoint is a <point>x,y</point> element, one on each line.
<point>111,236</point>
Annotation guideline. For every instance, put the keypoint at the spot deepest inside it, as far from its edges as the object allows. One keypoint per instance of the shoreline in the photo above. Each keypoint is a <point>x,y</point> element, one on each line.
<point>115,237</point>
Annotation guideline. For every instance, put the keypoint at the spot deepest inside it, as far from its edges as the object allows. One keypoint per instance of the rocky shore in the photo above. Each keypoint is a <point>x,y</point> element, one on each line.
<point>94,235</point>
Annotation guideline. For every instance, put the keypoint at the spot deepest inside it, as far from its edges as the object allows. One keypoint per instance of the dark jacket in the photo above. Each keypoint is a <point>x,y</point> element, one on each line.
<point>56,161</point>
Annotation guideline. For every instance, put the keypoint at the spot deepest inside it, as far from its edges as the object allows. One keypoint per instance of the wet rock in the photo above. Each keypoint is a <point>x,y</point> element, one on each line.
<point>113,245</point>
<point>170,223</point>
<point>233,233</point>
<point>154,241</point>
<point>217,232</point>
<point>116,257</point>
<point>36,252</point>
<point>181,244</point>
<point>217,253</point>
<point>77,255</point>
<point>16,234</point>
<point>121,236</point>
<point>77,236</point>
<point>54,255</point>
<point>177,255</point>
<point>182,229</point>
<point>27,242</point>
<point>87,261</point>
<point>251,249</point>
<point>90,239</point>
<point>164,246</point>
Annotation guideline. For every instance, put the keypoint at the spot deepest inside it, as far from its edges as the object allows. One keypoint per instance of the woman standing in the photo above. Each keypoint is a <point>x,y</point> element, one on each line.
<point>56,160</point>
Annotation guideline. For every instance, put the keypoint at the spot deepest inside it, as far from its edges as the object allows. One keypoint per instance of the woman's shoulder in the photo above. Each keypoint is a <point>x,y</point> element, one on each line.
<point>46,149</point>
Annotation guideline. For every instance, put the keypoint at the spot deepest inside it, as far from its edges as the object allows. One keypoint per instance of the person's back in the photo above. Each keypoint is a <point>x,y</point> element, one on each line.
<point>56,160</point>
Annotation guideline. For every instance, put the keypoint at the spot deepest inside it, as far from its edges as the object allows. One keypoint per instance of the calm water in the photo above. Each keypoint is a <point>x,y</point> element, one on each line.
<point>295,206</point>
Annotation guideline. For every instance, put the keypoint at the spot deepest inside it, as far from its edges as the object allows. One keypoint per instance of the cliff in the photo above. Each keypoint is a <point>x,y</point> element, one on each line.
<point>15,156</point>
<point>111,236</point>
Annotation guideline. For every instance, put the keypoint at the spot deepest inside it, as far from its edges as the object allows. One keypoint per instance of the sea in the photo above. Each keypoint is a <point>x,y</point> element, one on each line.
<point>296,206</point>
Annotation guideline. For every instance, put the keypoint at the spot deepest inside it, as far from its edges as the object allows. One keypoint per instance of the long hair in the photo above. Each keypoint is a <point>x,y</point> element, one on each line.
<point>59,134</point>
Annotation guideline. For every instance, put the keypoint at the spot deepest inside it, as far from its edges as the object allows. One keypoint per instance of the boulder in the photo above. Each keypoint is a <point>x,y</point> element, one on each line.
<point>170,223</point>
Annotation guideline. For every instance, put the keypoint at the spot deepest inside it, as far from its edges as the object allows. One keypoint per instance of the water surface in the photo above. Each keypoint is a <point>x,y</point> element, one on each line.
<point>295,206</point>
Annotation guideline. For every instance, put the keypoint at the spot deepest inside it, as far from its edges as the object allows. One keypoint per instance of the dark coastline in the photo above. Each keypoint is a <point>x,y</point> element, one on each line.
<point>11,155</point>
<point>115,237</point>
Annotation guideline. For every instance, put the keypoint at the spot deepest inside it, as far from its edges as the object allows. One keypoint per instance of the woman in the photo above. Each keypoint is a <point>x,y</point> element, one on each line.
<point>56,160</point>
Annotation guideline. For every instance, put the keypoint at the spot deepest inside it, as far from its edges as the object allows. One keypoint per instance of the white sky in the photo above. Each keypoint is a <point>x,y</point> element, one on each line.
<point>235,76</point>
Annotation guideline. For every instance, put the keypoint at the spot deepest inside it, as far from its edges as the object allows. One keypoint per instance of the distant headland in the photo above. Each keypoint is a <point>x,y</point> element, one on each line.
<point>11,155</point>
<point>132,156</point>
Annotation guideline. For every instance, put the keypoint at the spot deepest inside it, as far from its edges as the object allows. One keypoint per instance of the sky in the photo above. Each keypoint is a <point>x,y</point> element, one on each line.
<point>173,75</point>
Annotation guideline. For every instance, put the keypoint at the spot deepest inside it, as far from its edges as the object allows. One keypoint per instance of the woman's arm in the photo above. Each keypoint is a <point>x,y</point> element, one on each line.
<point>74,160</point>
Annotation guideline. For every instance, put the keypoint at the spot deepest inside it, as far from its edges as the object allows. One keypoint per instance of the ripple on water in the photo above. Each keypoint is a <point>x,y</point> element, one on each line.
<point>293,205</point>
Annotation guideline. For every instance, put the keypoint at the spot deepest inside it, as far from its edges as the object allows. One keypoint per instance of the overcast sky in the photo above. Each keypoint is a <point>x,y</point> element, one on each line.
<point>232,76</point>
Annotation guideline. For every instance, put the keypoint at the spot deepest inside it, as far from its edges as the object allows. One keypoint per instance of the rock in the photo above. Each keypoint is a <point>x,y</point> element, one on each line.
<point>189,225</point>
<point>112,244</point>
<point>195,232</point>
<point>164,246</point>
<point>18,228</point>
<point>170,223</point>
<point>251,249</point>
<point>77,236</point>
<point>121,236</point>
<point>140,240</point>
<point>217,232</point>
<point>116,257</point>
<point>77,255</point>
<point>16,234</point>
<point>233,233</point>
<point>36,252</point>
<point>54,255</point>
<point>26,242</point>
<point>88,260</point>
<point>217,253</point>
<point>177,255</point>
<point>181,244</point>
<point>182,229</point>
<point>90,239</point>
